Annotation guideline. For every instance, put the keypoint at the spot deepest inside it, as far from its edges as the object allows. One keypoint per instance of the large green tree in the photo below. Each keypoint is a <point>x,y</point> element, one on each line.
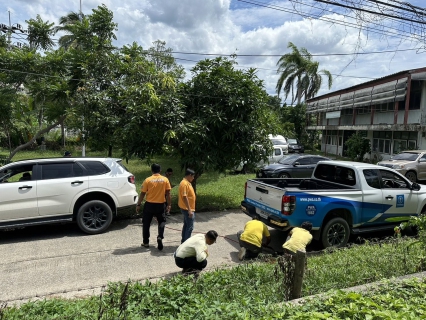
<point>299,75</point>
<point>227,117</point>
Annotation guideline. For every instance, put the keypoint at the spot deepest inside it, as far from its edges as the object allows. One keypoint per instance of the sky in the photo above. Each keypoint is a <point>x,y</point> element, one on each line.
<point>262,29</point>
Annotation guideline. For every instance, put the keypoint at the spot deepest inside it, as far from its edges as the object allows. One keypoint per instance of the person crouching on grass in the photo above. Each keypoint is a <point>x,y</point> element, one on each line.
<point>298,238</point>
<point>192,255</point>
<point>251,239</point>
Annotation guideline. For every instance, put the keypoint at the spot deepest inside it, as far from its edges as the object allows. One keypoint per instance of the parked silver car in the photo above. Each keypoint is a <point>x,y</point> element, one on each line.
<point>410,163</point>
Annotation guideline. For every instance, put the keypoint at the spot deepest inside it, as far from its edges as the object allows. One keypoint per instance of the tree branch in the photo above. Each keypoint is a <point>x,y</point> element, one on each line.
<point>38,134</point>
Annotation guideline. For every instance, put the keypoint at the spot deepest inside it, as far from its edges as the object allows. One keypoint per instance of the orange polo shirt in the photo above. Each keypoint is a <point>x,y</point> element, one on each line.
<point>186,189</point>
<point>155,188</point>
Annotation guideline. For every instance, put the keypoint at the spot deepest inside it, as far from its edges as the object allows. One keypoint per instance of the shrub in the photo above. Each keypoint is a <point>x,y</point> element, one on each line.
<point>358,146</point>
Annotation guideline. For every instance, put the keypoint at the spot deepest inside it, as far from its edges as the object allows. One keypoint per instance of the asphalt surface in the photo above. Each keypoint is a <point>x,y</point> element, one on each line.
<point>61,261</point>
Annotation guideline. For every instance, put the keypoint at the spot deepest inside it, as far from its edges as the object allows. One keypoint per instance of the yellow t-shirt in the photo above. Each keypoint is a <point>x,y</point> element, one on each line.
<point>254,231</point>
<point>155,188</point>
<point>186,189</point>
<point>300,238</point>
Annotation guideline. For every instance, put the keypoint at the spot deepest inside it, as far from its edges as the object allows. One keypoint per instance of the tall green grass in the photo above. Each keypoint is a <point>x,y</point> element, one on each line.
<point>215,191</point>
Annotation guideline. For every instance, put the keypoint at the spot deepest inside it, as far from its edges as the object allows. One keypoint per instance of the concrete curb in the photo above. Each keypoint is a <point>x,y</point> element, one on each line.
<point>361,288</point>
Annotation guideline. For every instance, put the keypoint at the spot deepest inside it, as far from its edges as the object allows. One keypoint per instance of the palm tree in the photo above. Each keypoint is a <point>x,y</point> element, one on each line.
<point>70,25</point>
<point>299,71</point>
<point>39,33</point>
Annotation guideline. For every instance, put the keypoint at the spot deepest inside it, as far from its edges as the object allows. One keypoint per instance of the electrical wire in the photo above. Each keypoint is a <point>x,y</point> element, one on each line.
<point>369,11</point>
<point>334,21</point>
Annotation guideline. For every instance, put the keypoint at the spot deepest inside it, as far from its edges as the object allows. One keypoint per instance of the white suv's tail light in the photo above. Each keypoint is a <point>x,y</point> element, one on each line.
<point>131,179</point>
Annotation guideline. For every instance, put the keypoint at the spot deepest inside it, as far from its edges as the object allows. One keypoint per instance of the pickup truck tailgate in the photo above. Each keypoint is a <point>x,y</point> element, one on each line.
<point>262,196</point>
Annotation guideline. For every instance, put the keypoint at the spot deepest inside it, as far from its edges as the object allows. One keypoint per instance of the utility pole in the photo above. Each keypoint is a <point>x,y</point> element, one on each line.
<point>9,30</point>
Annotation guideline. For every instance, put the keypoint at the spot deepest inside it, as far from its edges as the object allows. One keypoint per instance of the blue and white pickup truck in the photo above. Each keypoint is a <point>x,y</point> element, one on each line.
<point>341,198</point>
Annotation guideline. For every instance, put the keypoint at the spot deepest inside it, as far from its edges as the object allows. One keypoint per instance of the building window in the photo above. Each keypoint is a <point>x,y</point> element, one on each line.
<point>415,95</point>
<point>381,145</point>
<point>332,138</point>
<point>364,110</point>
<point>385,107</point>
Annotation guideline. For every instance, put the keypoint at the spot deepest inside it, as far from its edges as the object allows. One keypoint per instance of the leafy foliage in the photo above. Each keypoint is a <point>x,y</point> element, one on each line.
<point>358,146</point>
<point>227,118</point>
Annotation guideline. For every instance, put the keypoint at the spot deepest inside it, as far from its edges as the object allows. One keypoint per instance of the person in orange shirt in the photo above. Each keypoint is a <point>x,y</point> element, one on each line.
<point>155,187</point>
<point>187,204</point>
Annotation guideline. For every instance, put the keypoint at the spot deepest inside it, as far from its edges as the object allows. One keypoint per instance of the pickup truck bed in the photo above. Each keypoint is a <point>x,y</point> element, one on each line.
<point>295,184</point>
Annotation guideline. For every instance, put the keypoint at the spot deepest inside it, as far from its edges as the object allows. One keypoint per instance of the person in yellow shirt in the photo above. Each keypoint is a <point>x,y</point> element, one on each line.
<point>298,238</point>
<point>251,239</point>
<point>187,204</point>
<point>156,188</point>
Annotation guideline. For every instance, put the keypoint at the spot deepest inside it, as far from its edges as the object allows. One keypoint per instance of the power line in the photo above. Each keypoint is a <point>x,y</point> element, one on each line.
<point>351,17</point>
<point>280,55</point>
<point>330,20</point>
<point>398,7</point>
<point>369,11</point>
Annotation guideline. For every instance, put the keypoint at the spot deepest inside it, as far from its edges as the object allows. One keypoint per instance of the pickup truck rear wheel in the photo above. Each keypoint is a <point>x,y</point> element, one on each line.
<point>94,217</point>
<point>335,233</point>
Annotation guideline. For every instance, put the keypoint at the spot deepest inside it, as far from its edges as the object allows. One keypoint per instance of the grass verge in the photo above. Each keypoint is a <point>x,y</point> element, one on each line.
<point>248,291</point>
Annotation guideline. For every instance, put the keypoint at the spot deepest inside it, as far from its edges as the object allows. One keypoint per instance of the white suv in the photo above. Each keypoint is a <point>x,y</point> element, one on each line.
<point>90,191</point>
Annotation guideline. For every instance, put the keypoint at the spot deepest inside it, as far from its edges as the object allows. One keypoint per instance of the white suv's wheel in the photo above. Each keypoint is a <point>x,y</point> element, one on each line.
<point>94,217</point>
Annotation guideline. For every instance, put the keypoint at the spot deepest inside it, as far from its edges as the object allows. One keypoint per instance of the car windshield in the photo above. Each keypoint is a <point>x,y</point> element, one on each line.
<point>277,142</point>
<point>288,159</point>
<point>292,141</point>
<point>408,156</point>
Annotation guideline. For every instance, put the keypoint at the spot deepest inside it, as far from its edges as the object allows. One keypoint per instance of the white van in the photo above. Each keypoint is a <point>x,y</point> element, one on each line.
<point>277,154</point>
<point>279,141</point>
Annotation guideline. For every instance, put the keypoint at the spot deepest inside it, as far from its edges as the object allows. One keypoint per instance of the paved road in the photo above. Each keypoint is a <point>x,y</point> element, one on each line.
<point>59,260</point>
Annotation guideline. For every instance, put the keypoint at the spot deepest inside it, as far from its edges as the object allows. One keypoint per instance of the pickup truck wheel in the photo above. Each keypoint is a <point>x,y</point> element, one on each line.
<point>94,217</point>
<point>284,175</point>
<point>335,233</point>
<point>411,175</point>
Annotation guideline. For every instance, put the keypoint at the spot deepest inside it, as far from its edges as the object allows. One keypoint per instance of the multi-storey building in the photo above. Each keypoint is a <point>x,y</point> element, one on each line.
<point>390,111</point>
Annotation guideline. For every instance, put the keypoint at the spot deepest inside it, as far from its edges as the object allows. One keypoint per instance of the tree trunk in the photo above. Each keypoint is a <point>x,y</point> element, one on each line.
<point>110,151</point>
<point>38,134</point>
<point>63,133</point>
<point>194,184</point>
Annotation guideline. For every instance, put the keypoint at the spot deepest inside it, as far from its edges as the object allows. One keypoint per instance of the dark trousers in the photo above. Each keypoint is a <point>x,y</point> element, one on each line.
<point>151,210</point>
<point>252,251</point>
<point>190,263</point>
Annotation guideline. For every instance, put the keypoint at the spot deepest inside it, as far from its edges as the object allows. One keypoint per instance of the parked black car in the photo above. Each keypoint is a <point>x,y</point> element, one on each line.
<point>291,166</point>
<point>295,146</point>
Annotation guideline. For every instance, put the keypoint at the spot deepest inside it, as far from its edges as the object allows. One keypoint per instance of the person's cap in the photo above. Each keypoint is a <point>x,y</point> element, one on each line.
<point>67,153</point>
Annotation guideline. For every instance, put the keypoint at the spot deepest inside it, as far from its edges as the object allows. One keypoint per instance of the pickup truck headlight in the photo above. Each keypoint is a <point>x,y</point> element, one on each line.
<point>398,166</point>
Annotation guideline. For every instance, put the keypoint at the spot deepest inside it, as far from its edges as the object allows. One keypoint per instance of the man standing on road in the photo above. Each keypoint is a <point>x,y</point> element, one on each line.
<point>298,238</point>
<point>155,187</point>
<point>192,254</point>
<point>251,239</point>
<point>187,204</point>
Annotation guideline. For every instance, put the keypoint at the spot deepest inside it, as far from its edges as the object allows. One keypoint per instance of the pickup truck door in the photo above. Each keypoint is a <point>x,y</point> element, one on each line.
<point>397,195</point>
